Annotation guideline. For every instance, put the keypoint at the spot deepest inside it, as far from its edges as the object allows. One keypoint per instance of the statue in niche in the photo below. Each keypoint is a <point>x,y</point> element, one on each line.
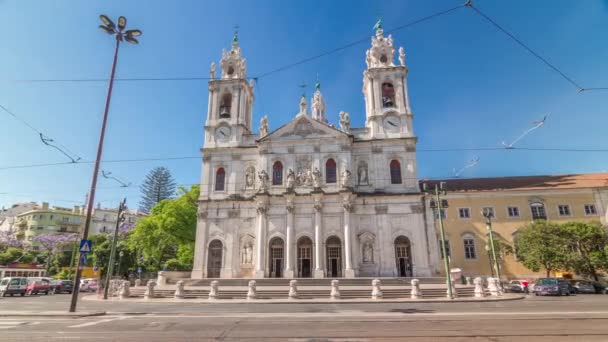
<point>250,177</point>
<point>362,177</point>
<point>263,176</point>
<point>316,178</point>
<point>212,71</point>
<point>247,253</point>
<point>264,126</point>
<point>368,253</point>
<point>401,56</point>
<point>344,122</point>
<point>291,179</point>
<point>346,176</point>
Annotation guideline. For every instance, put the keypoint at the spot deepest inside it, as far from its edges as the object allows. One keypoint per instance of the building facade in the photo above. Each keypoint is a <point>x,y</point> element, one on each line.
<point>104,219</point>
<point>49,220</point>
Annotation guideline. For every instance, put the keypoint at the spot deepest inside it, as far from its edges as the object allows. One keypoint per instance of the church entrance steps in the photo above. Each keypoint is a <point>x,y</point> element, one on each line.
<point>305,293</point>
<point>309,281</point>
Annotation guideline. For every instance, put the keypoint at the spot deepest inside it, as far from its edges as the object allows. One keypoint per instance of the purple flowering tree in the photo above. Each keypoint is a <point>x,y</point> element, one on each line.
<point>8,238</point>
<point>52,242</point>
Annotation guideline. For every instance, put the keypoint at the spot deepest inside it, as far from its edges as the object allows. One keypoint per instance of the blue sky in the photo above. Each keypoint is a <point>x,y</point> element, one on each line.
<point>470,86</point>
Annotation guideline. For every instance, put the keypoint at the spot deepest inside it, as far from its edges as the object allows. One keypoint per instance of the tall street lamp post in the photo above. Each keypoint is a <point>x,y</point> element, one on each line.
<point>119,32</point>
<point>120,218</point>
<point>490,259</point>
<point>437,204</point>
<point>488,214</point>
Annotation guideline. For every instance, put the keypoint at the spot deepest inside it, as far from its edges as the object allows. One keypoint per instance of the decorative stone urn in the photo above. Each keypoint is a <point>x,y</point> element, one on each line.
<point>479,291</point>
<point>335,289</point>
<point>124,292</point>
<point>415,293</point>
<point>252,293</point>
<point>179,289</point>
<point>293,289</point>
<point>149,289</point>
<point>213,289</point>
<point>376,290</point>
<point>493,287</point>
<point>137,282</point>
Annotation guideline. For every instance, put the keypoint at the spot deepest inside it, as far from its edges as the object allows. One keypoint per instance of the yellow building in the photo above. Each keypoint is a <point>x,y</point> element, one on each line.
<point>49,220</point>
<point>516,202</point>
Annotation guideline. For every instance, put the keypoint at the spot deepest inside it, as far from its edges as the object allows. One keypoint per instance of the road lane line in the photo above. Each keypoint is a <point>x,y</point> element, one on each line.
<point>88,324</point>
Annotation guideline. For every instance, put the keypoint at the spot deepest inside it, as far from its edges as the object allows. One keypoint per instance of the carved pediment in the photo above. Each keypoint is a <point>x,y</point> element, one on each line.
<point>303,127</point>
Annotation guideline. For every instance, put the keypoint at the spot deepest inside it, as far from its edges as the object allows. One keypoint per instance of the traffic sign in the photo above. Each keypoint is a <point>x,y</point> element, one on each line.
<point>85,246</point>
<point>95,268</point>
<point>82,261</point>
<point>139,270</point>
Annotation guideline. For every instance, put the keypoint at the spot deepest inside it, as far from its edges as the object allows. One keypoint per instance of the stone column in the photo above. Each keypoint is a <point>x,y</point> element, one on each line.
<point>318,205</point>
<point>289,255</point>
<point>260,238</point>
<point>200,247</point>
<point>348,208</point>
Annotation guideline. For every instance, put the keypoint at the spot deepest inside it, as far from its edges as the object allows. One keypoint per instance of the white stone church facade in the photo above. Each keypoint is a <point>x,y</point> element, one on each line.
<point>309,199</point>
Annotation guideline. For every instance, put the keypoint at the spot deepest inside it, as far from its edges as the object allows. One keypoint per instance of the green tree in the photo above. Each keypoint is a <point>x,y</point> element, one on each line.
<point>168,232</point>
<point>157,186</point>
<point>588,241</point>
<point>543,245</point>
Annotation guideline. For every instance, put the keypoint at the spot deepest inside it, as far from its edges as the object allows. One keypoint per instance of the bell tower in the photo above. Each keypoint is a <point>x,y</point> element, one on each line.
<point>230,107</point>
<point>387,105</point>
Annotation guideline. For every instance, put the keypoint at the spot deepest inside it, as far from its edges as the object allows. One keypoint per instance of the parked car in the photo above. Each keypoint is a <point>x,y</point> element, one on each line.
<point>37,285</point>
<point>516,286</point>
<point>552,286</point>
<point>13,285</point>
<point>88,285</point>
<point>62,286</point>
<point>583,286</point>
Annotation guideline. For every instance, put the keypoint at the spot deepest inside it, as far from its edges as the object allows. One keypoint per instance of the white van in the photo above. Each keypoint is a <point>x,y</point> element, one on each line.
<point>13,285</point>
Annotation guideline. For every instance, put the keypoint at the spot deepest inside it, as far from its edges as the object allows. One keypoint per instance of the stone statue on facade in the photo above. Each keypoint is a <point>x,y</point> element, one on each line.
<point>303,105</point>
<point>345,122</point>
<point>368,58</point>
<point>318,106</point>
<point>264,126</point>
<point>247,253</point>
<point>346,179</point>
<point>368,253</point>
<point>250,177</point>
<point>212,71</point>
<point>316,178</point>
<point>362,177</point>
<point>263,177</point>
<point>291,179</point>
<point>401,56</point>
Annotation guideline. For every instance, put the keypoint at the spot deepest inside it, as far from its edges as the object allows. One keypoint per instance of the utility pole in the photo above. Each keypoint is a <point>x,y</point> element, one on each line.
<point>110,270</point>
<point>437,205</point>
<point>129,35</point>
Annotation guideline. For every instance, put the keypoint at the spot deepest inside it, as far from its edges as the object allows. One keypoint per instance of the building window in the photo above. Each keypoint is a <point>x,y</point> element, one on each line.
<point>66,220</point>
<point>513,211</point>
<point>444,214</point>
<point>564,210</point>
<point>220,176</point>
<point>225,106</point>
<point>40,227</point>
<point>63,229</point>
<point>330,171</point>
<point>51,217</point>
<point>469,247</point>
<point>42,217</point>
<point>590,209</point>
<point>538,211</point>
<point>104,229</point>
<point>464,213</point>
<point>277,173</point>
<point>395,172</point>
<point>489,210</point>
<point>388,95</point>
<point>447,249</point>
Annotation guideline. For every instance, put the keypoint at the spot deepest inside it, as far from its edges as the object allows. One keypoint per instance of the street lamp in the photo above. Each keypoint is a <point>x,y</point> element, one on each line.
<point>437,205</point>
<point>490,259</point>
<point>120,34</point>
<point>488,214</point>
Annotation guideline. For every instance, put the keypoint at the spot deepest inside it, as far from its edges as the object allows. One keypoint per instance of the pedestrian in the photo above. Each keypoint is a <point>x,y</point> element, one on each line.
<point>525,284</point>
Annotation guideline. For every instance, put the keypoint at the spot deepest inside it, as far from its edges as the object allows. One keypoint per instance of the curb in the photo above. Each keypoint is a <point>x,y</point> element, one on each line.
<point>48,314</point>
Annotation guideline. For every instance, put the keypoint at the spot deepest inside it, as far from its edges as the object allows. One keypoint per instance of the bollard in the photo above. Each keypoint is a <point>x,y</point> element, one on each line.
<point>179,289</point>
<point>137,282</point>
<point>493,287</point>
<point>124,292</point>
<point>376,290</point>
<point>454,293</point>
<point>415,293</point>
<point>161,279</point>
<point>479,292</point>
<point>293,289</point>
<point>469,281</point>
<point>213,289</point>
<point>149,289</point>
<point>335,289</point>
<point>251,293</point>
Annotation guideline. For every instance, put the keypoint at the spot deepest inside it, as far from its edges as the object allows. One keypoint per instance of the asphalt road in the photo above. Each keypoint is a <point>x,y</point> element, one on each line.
<point>577,318</point>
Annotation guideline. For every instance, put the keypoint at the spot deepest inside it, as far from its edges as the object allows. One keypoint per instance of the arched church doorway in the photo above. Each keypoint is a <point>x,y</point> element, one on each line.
<point>214,259</point>
<point>334,257</point>
<point>304,257</point>
<point>403,256</point>
<point>276,257</point>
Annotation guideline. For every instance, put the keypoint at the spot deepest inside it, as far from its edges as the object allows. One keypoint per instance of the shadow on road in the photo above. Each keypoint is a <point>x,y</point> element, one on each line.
<point>412,311</point>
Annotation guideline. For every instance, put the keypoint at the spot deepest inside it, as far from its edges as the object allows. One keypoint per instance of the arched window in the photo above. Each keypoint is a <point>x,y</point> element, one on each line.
<point>395,172</point>
<point>220,176</point>
<point>388,95</point>
<point>330,171</point>
<point>225,106</point>
<point>277,173</point>
<point>538,211</point>
<point>468,242</point>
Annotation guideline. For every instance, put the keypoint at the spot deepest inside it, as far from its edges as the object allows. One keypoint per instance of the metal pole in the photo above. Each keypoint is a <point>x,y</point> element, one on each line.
<point>119,263</point>
<point>110,269</point>
<point>73,253</point>
<point>489,226</point>
<point>446,258</point>
<point>91,199</point>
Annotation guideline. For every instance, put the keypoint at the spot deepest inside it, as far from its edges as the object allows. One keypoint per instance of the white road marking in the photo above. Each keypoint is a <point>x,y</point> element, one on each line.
<point>4,325</point>
<point>88,324</point>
